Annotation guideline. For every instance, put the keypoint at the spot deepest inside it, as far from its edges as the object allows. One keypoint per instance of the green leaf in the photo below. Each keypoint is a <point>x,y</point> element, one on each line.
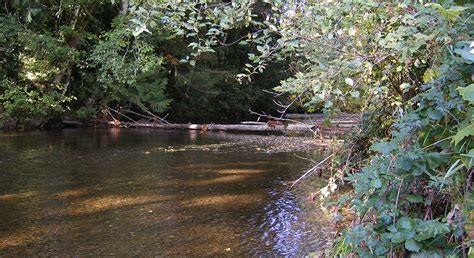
<point>455,11</point>
<point>430,229</point>
<point>384,147</point>
<point>406,223</point>
<point>454,167</point>
<point>28,18</point>
<point>412,246</point>
<point>451,13</point>
<point>430,75</point>
<point>463,133</point>
<point>466,50</point>
<point>355,94</point>
<point>414,198</point>
<point>376,183</point>
<point>381,250</point>
<point>404,164</point>
<point>468,159</point>
<point>328,104</point>
<point>397,237</point>
<point>434,114</point>
<point>467,93</point>
<point>408,233</point>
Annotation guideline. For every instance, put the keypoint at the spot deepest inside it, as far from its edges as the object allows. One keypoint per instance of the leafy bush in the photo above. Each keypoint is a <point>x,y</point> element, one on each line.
<point>21,104</point>
<point>411,66</point>
<point>29,62</point>
<point>408,70</point>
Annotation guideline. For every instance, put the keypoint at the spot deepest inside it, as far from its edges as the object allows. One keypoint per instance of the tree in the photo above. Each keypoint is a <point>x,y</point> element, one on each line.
<point>89,56</point>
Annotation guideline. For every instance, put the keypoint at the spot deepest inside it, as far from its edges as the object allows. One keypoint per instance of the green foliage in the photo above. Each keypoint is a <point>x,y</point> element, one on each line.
<point>408,68</point>
<point>21,104</point>
<point>87,55</point>
<point>204,87</point>
<point>128,70</point>
<point>28,68</point>
<point>409,192</point>
<point>9,47</point>
<point>418,201</point>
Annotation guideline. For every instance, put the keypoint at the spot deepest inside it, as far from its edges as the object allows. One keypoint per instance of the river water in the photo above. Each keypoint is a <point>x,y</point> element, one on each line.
<point>149,192</point>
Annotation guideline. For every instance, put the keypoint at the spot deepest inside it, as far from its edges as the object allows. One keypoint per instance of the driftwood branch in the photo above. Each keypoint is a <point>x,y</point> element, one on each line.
<point>122,114</point>
<point>312,128</point>
<point>311,170</point>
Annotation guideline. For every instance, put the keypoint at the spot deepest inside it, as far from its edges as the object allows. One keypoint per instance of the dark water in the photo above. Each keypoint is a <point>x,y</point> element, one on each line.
<point>140,192</point>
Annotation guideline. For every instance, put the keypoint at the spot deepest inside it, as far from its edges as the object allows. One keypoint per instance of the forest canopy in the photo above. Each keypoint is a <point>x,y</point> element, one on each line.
<point>405,66</point>
<point>79,58</point>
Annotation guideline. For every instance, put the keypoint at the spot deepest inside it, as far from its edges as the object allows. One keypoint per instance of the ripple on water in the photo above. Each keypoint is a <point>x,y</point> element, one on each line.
<point>283,226</point>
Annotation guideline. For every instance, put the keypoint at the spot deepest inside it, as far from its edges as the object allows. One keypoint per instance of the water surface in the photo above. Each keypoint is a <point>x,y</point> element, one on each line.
<point>151,192</point>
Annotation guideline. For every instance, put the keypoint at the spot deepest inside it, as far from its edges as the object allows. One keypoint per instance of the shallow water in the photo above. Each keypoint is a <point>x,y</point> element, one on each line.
<point>151,192</point>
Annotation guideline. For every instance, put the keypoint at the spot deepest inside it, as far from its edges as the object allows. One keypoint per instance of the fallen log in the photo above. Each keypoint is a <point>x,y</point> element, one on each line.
<point>318,129</point>
<point>224,127</point>
<point>333,130</point>
<point>72,123</point>
<point>253,123</point>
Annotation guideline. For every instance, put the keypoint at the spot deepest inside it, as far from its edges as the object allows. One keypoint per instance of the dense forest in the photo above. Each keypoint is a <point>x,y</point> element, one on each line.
<point>80,58</point>
<point>405,66</point>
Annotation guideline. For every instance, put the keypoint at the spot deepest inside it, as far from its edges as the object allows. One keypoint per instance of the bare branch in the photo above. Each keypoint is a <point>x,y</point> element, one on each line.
<point>311,170</point>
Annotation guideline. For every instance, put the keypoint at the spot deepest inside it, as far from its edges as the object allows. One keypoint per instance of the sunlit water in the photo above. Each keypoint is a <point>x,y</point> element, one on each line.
<point>151,192</point>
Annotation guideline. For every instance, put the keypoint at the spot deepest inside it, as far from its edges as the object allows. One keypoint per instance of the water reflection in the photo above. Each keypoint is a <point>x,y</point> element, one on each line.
<point>283,227</point>
<point>107,193</point>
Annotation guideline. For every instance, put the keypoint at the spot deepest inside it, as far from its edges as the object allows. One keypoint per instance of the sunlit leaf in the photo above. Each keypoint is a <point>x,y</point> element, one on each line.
<point>465,49</point>
<point>349,81</point>
<point>355,94</point>
<point>463,133</point>
<point>414,198</point>
<point>467,93</point>
<point>430,75</point>
<point>412,245</point>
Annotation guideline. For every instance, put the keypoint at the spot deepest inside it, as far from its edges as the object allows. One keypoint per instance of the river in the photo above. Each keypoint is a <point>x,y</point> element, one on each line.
<point>150,192</point>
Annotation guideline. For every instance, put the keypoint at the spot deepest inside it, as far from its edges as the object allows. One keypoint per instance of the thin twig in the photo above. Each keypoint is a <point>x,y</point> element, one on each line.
<point>157,117</point>
<point>263,114</point>
<point>396,202</point>
<point>140,115</point>
<point>120,113</point>
<point>305,158</point>
<point>311,170</point>
<point>440,141</point>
